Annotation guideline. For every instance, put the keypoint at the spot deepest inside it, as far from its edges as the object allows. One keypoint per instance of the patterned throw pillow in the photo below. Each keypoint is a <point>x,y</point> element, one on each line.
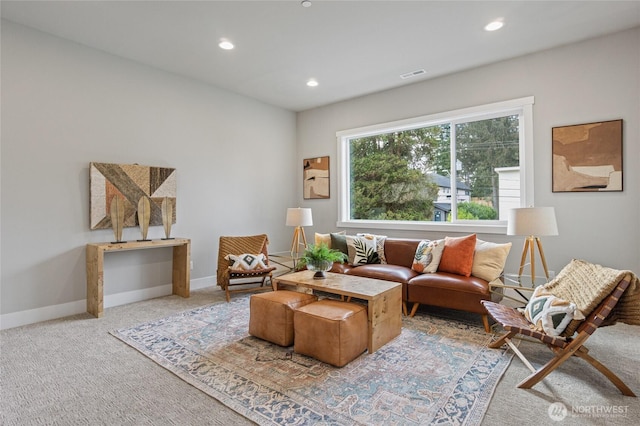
<point>380,240</point>
<point>427,257</point>
<point>361,250</point>
<point>246,261</point>
<point>549,313</point>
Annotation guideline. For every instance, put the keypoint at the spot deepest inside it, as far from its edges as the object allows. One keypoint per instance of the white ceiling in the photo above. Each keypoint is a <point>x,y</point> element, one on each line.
<point>351,47</point>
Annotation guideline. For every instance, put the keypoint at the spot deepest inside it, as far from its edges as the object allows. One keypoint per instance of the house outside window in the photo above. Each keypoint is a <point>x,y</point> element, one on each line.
<point>462,170</point>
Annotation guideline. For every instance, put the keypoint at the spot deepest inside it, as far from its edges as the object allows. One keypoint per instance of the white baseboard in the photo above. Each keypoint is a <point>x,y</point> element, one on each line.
<point>46,313</point>
<point>30,316</point>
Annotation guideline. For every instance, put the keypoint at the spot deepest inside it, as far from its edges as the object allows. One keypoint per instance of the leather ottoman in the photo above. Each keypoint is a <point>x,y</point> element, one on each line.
<point>271,315</point>
<point>331,331</point>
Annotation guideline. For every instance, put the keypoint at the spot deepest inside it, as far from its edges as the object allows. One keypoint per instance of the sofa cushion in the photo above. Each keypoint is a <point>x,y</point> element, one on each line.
<point>489,259</point>
<point>339,242</point>
<point>449,291</point>
<point>341,268</point>
<point>400,251</point>
<point>457,256</point>
<point>326,238</point>
<point>362,250</point>
<point>427,257</point>
<point>387,272</point>
<point>450,281</point>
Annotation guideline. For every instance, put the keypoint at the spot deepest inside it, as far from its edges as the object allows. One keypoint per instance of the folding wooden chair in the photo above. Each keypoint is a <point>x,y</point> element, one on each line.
<point>515,323</point>
<point>227,277</point>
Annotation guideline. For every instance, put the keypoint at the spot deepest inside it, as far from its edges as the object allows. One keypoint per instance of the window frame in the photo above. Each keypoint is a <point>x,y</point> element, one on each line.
<point>523,107</point>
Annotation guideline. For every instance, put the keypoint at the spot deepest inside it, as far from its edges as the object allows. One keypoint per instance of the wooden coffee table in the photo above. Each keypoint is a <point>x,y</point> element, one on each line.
<point>384,300</point>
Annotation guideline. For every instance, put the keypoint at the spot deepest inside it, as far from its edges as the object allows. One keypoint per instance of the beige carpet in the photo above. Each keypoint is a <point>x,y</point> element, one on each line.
<point>72,372</point>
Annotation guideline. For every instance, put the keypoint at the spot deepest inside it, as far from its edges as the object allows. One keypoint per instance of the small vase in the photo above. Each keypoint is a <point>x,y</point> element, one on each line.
<point>320,267</point>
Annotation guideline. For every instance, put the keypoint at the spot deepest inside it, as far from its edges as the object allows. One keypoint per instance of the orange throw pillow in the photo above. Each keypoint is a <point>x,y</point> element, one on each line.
<point>457,257</point>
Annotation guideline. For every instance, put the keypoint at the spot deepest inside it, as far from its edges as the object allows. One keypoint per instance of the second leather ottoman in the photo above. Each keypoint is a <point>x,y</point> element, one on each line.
<point>271,315</point>
<point>331,331</point>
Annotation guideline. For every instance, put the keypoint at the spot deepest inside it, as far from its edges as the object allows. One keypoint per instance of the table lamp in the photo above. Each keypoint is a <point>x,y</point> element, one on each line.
<point>298,217</point>
<point>532,222</point>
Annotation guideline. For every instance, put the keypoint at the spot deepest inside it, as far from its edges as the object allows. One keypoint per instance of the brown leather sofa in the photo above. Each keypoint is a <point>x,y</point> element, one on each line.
<point>438,289</point>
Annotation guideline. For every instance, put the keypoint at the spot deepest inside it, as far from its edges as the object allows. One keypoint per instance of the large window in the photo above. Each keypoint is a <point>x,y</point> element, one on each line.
<point>460,169</point>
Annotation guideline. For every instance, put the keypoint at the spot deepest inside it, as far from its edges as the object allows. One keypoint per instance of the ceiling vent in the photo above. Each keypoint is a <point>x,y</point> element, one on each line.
<point>412,74</point>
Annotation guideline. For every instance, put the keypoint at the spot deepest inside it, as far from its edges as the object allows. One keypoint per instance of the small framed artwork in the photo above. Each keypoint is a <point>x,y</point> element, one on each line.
<point>587,157</point>
<point>315,178</point>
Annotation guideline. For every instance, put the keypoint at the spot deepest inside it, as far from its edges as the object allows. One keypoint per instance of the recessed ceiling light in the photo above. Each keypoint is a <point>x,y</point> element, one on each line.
<point>306,3</point>
<point>225,44</point>
<point>495,25</point>
<point>312,83</point>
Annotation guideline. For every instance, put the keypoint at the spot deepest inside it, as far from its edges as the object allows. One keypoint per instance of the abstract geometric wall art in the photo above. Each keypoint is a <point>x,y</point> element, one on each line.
<point>315,177</point>
<point>587,157</point>
<point>130,182</point>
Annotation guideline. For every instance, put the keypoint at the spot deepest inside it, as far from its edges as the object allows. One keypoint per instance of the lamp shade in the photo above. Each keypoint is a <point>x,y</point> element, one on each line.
<point>532,221</point>
<point>299,217</point>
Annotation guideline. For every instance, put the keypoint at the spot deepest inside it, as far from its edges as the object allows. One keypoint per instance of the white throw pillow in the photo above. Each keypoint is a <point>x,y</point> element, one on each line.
<point>246,261</point>
<point>489,259</point>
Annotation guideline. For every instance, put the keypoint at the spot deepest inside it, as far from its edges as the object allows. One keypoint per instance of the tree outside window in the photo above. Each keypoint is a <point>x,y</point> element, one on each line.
<point>449,171</point>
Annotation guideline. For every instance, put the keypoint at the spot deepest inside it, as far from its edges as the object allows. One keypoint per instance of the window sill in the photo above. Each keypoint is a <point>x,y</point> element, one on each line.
<point>475,227</point>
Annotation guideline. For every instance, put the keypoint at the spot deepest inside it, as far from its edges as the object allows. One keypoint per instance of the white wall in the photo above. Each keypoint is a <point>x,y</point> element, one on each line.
<point>590,81</point>
<point>65,105</point>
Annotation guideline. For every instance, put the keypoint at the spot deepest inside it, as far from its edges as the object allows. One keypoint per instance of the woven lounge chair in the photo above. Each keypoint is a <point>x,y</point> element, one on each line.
<point>247,279</point>
<point>605,313</point>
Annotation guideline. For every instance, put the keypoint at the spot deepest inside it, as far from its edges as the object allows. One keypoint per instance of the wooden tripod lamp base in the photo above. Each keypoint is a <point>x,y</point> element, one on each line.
<point>529,248</point>
<point>298,217</point>
<point>299,239</point>
<point>532,221</point>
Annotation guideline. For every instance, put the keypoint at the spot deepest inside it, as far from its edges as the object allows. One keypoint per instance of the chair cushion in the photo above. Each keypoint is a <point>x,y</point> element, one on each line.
<point>549,313</point>
<point>246,261</point>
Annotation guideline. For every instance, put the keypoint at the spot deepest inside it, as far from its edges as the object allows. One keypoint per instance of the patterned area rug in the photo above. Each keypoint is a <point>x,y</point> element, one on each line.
<point>437,371</point>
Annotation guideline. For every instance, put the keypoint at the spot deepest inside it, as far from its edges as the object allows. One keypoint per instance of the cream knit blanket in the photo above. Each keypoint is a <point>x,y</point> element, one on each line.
<point>587,284</point>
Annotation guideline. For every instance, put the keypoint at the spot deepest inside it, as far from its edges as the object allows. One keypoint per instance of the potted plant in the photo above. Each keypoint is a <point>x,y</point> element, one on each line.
<point>320,258</point>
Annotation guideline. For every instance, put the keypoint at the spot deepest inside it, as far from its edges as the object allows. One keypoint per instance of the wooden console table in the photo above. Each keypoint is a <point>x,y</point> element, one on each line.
<point>95,267</point>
